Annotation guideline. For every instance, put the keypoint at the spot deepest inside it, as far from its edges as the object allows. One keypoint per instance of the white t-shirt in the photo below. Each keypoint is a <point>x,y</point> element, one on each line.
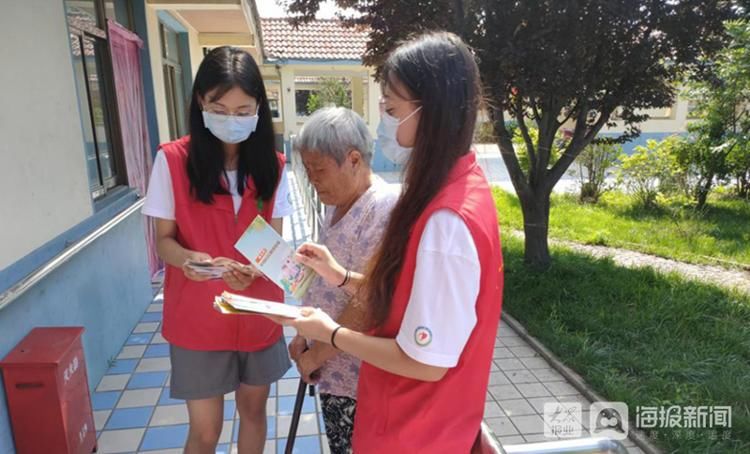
<point>441,313</point>
<point>160,198</point>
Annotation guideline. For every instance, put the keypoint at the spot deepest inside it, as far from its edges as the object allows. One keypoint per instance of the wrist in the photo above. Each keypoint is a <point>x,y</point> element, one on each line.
<point>339,274</point>
<point>191,255</point>
<point>321,352</point>
<point>334,334</point>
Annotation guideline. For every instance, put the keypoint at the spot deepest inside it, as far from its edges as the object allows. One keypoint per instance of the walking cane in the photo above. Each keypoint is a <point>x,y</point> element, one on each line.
<point>296,414</point>
<point>298,402</point>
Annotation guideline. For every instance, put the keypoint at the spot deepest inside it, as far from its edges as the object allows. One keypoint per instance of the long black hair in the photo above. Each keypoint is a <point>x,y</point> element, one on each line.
<point>440,72</point>
<point>221,70</point>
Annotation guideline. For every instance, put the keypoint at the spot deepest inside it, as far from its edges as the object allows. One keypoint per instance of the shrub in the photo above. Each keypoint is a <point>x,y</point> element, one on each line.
<point>648,172</point>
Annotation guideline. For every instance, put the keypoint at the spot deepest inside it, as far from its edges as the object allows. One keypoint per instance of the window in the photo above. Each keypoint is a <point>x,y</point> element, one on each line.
<point>121,12</point>
<point>273,90</point>
<point>174,82</point>
<point>300,100</point>
<point>660,113</point>
<point>96,94</point>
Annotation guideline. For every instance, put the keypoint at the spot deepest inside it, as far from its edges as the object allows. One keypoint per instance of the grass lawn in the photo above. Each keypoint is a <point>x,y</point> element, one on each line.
<point>721,232</point>
<point>641,337</point>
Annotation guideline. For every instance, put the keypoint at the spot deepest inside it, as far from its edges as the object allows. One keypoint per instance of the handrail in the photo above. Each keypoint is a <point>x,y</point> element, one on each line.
<point>577,446</point>
<point>22,286</point>
<point>314,208</point>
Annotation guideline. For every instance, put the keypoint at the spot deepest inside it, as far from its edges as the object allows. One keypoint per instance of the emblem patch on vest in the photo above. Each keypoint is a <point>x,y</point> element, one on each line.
<point>423,336</point>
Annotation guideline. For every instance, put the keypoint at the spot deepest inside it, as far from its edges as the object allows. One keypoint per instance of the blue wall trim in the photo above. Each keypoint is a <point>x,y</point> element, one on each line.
<point>139,17</point>
<point>169,20</point>
<point>29,263</point>
<point>105,288</point>
<point>629,147</point>
<point>187,69</point>
<point>313,61</point>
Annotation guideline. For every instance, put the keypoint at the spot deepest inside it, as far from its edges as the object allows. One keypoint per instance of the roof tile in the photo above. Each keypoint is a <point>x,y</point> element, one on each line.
<point>320,39</point>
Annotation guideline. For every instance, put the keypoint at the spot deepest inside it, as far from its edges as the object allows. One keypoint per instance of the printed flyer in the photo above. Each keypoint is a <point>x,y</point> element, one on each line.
<point>268,251</point>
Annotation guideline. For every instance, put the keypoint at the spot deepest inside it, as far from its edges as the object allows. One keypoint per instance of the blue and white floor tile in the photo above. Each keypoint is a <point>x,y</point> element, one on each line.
<point>134,413</point>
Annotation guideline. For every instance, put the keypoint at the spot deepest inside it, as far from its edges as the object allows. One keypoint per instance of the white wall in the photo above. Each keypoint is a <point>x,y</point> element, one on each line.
<point>677,120</point>
<point>368,94</point>
<point>43,181</point>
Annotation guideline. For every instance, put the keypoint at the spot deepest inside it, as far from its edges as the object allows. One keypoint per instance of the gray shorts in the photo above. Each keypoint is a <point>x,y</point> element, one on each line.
<point>203,374</point>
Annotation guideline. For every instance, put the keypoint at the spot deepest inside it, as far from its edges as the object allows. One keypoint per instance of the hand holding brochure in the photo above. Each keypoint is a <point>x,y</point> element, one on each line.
<point>207,269</point>
<point>268,251</point>
<point>229,303</point>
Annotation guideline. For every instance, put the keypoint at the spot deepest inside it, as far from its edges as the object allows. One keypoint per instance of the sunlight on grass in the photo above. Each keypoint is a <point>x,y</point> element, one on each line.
<point>640,337</point>
<point>676,231</point>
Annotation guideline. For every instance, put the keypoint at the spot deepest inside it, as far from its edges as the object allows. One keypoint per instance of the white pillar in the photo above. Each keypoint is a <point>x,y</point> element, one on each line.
<point>373,100</point>
<point>289,111</point>
<point>358,101</point>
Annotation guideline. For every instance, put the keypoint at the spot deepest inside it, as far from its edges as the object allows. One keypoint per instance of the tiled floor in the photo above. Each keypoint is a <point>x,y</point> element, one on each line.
<point>134,413</point>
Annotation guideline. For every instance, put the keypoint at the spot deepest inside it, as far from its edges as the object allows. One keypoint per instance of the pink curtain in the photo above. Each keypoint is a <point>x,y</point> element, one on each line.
<point>125,47</point>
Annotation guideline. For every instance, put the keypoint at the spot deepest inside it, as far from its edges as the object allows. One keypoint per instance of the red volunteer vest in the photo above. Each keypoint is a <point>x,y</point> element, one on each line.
<point>397,414</point>
<point>190,320</point>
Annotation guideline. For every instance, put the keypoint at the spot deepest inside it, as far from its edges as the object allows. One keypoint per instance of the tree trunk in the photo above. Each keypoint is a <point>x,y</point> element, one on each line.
<point>536,217</point>
<point>743,186</point>
<point>702,192</point>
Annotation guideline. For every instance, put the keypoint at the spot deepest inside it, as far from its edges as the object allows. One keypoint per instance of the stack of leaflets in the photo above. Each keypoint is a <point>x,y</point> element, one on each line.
<point>229,303</point>
<point>207,269</point>
<point>270,254</point>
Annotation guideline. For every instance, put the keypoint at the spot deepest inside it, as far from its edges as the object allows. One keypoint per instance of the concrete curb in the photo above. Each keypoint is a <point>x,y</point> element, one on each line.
<point>637,436</point>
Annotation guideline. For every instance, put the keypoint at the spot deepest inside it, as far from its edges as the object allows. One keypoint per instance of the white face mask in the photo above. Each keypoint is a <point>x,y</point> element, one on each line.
<point>230,128</point>
<point>387,138</point>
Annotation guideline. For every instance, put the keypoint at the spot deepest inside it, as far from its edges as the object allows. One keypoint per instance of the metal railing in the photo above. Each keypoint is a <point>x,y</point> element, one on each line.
<point>22,286</point>
<point>578,446</point>
<point>489,444</point>
<point>313,207</point>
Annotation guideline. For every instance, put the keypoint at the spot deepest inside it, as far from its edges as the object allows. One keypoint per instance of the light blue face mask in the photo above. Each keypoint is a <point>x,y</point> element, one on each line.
<point>230,128</point>
<point>387,141</point>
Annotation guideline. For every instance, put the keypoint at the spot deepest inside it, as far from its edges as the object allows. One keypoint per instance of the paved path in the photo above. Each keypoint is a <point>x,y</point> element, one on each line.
<point>134,413</point>
<point>735,279</point>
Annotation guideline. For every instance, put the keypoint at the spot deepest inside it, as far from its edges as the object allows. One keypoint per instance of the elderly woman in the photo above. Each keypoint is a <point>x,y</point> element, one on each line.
<point>335,147</point>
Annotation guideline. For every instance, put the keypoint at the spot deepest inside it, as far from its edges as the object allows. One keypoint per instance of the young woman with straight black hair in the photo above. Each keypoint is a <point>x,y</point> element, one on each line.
<point>205,190</point>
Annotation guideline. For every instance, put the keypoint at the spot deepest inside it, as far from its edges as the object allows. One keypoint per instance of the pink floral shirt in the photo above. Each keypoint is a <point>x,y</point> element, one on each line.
<point>352,241</point>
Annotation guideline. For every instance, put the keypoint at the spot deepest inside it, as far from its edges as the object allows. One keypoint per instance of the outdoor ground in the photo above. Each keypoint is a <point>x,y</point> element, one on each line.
<point>134,413</point>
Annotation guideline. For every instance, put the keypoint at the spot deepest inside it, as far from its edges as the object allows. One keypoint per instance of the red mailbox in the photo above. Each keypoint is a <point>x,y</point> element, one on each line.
<point>48,393</point>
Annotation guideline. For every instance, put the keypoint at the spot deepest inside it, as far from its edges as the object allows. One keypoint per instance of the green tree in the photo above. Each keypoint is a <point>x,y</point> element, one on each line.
<point>648,170</point>
<point>332,92</point>
<point>701,161</point>
<point>738,163</point>
<point>722,104</point>
<point>555,63</point>
<point>592,167</point>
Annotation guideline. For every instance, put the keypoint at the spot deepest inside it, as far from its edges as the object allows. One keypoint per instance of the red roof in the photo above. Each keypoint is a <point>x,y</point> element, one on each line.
<point>320,39</point>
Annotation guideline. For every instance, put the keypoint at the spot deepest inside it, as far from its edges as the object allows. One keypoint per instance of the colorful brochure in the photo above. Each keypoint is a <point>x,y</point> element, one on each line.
<point>229,303</point>
<point>269,253</point>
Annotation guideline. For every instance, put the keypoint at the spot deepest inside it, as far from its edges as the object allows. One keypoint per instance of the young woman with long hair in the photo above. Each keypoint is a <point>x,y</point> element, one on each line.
<point>433,291</point>
<point>205,190</point>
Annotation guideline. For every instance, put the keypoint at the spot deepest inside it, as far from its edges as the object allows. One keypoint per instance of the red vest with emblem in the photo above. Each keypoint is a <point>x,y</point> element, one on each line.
<point>397,414</point>
<point>190,320</point>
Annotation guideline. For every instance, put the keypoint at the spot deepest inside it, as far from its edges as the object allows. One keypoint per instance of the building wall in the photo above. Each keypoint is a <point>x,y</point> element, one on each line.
<point>46,204</point>
<point>369,92</point>
<point>105,296</point>
<point>43,181</point>
<point>672,120</point>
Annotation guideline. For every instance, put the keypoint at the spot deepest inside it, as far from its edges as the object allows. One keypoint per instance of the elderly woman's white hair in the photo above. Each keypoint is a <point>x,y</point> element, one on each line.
<point>335,131</point>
